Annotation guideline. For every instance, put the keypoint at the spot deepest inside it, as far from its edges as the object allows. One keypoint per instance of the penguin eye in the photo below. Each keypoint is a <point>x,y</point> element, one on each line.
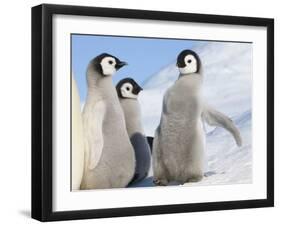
<point>189,61</point>
<point>128,88</point>
<point>110,62</point>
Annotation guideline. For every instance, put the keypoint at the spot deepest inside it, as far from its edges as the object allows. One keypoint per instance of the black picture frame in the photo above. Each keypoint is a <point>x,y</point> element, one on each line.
<point>42,107</point>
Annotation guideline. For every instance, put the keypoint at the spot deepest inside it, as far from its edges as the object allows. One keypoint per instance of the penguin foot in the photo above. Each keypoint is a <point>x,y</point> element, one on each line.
<point>162,182</point>
<point>137,178</point>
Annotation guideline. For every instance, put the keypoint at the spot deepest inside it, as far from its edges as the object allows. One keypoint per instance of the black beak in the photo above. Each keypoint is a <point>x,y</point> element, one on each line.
<point>137,89</point>
<point>120,64</point>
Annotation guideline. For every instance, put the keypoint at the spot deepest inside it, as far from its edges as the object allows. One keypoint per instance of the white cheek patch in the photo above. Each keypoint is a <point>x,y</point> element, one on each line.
<point>191,65</point>
<point>107,68</point>
<point>128,93</point>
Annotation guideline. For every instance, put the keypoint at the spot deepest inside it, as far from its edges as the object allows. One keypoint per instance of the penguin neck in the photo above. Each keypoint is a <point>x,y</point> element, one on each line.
<point>99,86</point>
<point>192,77</point>
<point>197,74</point>
<point>191,82</point>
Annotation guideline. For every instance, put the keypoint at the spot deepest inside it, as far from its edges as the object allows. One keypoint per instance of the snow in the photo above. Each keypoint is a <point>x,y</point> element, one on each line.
<point>227,71</point>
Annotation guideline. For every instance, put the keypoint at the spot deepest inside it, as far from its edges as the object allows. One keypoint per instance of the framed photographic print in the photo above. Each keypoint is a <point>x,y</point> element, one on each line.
<point>145,112</point>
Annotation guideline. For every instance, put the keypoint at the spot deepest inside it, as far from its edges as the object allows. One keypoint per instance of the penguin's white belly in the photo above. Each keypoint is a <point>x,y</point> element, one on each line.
<point>179,143</point>
<point>116,163</point>
<point>77,139</point>
<point>183,149</point>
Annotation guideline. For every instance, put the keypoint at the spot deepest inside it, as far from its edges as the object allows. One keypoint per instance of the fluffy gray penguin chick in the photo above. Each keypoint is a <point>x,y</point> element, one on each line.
<point>128,90</point>
<point>179,143</point>
<point>109,154</point>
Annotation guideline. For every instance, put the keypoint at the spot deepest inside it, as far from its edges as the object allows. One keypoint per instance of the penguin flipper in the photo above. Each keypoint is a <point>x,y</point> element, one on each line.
<point>216,118</point>
<point>96,142</point>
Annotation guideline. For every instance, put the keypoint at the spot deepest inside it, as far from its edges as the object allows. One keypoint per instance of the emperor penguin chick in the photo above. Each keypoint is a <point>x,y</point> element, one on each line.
<point>178,146</point>
<point>128,90</point>
<point>109,154</point>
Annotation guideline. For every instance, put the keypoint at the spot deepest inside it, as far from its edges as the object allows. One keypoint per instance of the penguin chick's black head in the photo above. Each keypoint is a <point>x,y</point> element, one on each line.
<point>128,88</point>
<point>107,64</point>
<point>188,62</point>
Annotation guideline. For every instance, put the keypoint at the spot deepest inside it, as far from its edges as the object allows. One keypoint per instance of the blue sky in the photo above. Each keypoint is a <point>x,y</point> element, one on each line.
<point>145,56</point>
